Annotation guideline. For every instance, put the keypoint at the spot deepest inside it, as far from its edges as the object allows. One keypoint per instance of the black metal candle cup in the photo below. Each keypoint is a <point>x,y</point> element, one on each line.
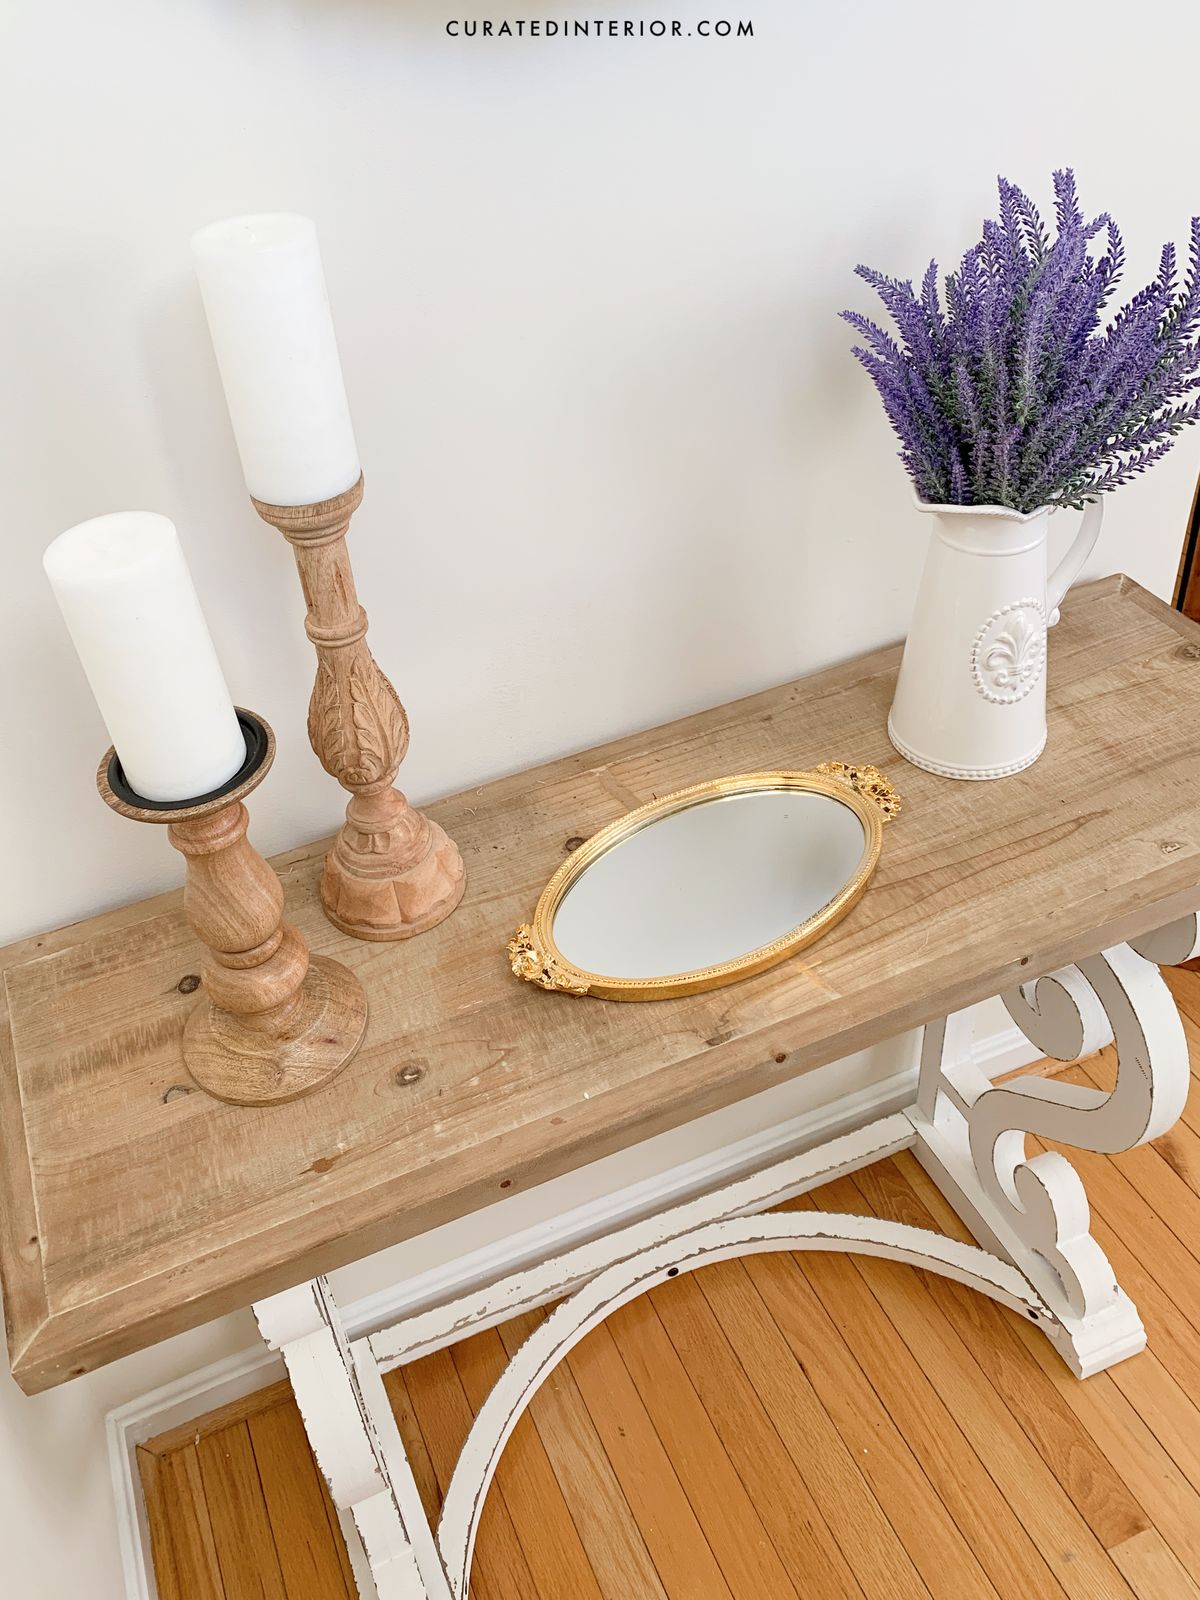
<point>275,1023</point>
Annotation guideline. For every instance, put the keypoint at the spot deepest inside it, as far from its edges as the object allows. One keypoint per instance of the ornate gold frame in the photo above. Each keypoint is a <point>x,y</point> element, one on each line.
<point>536,959</point>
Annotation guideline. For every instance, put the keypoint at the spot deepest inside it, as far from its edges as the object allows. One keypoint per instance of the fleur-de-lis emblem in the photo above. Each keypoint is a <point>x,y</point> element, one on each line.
<point>1014,656</point>
<point>1009,652</point>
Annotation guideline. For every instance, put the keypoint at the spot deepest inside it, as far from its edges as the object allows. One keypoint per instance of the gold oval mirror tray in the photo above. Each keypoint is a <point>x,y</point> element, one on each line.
<point>707,885</point>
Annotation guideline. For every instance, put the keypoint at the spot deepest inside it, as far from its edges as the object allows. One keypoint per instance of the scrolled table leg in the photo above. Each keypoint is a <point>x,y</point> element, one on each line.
<point>1032,1208</point>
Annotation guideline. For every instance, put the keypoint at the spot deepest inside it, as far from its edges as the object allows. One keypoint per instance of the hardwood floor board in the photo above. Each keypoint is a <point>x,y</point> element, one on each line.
<point>614,1543</point>
<point>1176,1341</point>
<point>1125,1437</point>
<point>237,1510</point>
<point>1155,1384</point>
<point>1151,1264</point>
<point>681,1553</point>
<point>296,1504</point>
<point>1164,1174</point>
<point>164,1444</point>
<point>938,1551</point>
<point>872,1549</point>
<point>396,1388</point>
<point>1180,1149</point>
<point>1191,1025</point>
<point>444,1413</point>
<point>749,1562</point>
<point>752,1441</point>
<point>1172,1415</point>
<point>798,1426</point>
<point>185,1512</point>
<point>1180,1145</point>
<point>1191,1111</point>
<point>1160,1182</point>
<point>983,1514</point>
<point>541,1516</point>
<point>942,1347</point>
<point>1186,992</point>
<point>1152,1570</point>
<point>1091,1481</point>
<point>162,1542</point>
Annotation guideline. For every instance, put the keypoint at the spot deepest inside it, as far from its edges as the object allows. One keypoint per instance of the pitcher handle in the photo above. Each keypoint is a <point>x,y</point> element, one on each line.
<point>1068,569</point>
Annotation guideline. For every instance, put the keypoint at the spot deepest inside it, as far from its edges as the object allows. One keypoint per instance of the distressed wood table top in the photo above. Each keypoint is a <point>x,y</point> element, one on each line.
<point>131,1208</point>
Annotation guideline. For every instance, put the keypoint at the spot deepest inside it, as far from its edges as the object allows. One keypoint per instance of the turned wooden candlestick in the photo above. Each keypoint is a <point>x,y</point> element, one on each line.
<point>275,1023</point>
<point>391,872</point>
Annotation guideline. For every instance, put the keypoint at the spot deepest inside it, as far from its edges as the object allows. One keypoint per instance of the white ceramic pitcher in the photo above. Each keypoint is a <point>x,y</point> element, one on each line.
<point>971,698</point>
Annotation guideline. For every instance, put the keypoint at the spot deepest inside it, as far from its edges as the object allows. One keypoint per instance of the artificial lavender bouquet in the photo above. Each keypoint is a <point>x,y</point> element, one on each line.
<point>1012,393</point>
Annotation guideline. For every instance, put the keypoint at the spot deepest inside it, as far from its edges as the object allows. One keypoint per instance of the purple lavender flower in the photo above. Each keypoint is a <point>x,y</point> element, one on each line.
<point>1012,393</point>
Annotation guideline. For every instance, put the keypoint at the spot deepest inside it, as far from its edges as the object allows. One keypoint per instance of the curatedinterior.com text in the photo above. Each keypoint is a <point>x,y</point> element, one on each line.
<point>604,28</point>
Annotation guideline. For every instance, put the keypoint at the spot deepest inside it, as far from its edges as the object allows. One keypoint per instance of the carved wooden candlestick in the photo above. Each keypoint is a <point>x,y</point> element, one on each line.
<point>275,1023</point>
<point>391,872</point>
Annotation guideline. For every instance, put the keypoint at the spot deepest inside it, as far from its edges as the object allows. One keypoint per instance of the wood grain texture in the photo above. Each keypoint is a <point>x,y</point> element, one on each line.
<point>1089,1480</point>
<point>272,1025</point>
<point>971,1494</point>
<point>614,1544</point>
<point>937,1548</point>
<point>444,1415</point>
<point>241,1523</point>
<point>391,872</point>
<point>298,1507</point>
<point>749,1562</point>
<point>471,1086</point>
<point>557,1558</point>
<point>182,1514</point>
<point>838,1427</point>
<point>675,1537</point>
<point>743,1422</point>
<point>161,1525</point>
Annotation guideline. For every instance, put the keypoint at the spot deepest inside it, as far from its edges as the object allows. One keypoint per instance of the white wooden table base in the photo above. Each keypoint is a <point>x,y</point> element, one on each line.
<point>1035,1252</point>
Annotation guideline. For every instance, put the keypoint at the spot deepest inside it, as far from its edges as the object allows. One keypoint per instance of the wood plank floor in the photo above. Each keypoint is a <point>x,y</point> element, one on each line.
<point>786,1427</point>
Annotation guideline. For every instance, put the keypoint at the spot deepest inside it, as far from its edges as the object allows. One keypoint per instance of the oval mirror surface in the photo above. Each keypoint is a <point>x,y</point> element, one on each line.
<point>710,883</point>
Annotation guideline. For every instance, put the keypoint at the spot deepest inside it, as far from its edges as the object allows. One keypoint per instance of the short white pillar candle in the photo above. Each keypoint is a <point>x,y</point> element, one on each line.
<point>124,588</point>
<point>268,312</point>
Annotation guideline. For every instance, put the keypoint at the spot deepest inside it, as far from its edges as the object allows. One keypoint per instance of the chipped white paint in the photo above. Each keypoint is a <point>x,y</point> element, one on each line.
<point>827,1108</point>
<point>521,1291</point>
<point>347,1428</point>
<point>971,1135</point>
<point>626,1279</point>
<point>1029,1215</point>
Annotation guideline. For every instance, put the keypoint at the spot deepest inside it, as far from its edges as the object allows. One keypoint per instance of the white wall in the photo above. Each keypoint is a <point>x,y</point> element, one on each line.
<point>619,462</point>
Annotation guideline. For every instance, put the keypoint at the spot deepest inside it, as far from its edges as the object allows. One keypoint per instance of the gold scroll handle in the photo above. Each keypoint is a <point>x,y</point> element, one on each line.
<point>535,965</point>
<point>867,781</point>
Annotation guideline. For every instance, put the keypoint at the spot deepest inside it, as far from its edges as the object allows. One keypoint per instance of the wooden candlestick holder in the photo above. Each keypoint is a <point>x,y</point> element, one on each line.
<point>391,872</point>
<point>275,1023</point>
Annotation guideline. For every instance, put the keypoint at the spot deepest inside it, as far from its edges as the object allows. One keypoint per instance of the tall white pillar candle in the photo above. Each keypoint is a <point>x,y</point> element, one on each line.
<point>268,312</point>
<point>126,593</point>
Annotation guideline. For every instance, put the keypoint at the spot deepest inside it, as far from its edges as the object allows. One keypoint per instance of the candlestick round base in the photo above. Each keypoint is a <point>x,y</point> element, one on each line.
<point>380,884</point>
<point>264,1060</point>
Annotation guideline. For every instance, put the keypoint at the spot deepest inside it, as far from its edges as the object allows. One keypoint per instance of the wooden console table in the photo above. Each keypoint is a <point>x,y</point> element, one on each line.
<point>132,1207</point>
